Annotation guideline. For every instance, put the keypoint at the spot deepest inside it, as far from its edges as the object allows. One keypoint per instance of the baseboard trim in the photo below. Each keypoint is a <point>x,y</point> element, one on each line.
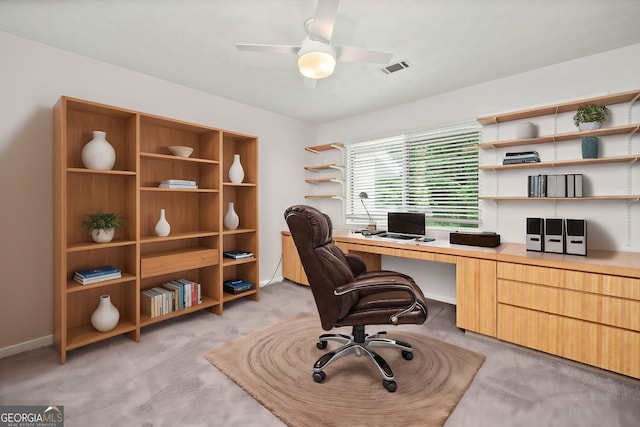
<point>26,346</point>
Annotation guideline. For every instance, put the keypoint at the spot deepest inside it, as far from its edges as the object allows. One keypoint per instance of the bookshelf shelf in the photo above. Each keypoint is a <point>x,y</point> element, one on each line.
<point>192,250</point>
<point>576,162</point>
<point>570,199</point>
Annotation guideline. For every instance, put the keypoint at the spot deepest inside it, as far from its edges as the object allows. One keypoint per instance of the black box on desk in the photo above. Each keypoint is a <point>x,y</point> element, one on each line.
<point>485,239</point>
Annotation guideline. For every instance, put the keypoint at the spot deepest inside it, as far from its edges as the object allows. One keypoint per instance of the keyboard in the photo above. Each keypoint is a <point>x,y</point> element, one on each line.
<point>398,236</point>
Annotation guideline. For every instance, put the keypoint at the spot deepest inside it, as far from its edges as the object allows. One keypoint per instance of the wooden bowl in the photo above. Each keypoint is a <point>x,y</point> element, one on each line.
<point>181,150</point>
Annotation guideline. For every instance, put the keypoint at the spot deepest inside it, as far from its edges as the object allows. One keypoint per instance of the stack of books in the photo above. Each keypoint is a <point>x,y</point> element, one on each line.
<point>171,296</point>
<point>177,183</point>
<point>236,286</point>
<point>96,275</point>
<point>521,157</point>
<point>561,185</point>
<point>237,254</point>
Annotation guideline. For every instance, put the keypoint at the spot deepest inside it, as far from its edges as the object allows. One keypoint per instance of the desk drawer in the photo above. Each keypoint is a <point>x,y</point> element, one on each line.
<point>568,279</point>
<point>603,346</point>
<point>623,313</point>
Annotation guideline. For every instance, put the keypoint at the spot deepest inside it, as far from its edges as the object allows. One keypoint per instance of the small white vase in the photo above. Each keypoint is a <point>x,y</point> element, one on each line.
<point>106,316</point>
<point>236,171</point>
<point>231,219</point>
<point>162,226</point>
<point>589,126</point>
<point>98,153</point>
<point>102,235</point>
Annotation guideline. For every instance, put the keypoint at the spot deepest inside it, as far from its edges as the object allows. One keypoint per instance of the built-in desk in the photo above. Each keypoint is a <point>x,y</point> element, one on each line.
<point>582,308</point>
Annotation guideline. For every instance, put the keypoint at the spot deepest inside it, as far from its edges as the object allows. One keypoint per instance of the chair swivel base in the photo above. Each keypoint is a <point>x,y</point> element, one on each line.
<point>360,344</point>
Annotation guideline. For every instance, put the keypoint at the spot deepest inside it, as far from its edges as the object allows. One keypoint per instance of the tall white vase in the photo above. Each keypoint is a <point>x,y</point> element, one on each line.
<point>231,219</point>
<point>236,171</point>
<point>163,228</point>
<point>98,153</point>
<point>106,316</point>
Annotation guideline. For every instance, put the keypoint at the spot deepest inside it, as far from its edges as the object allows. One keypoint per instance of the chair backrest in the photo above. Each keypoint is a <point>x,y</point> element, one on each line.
<point>324,263</point>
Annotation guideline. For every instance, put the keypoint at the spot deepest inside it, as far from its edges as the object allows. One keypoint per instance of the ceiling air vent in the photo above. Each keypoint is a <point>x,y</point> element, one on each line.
<point>395,67</point>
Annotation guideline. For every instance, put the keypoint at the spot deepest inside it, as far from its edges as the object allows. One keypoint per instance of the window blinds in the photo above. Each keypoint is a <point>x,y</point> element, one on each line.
<point>435,172</point>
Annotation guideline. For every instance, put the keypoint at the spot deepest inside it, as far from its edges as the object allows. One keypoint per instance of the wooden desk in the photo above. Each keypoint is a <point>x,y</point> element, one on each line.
<point>582,308</point>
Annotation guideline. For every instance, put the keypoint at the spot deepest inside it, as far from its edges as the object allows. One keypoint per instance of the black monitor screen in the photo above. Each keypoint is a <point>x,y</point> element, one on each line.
<point>406,223</point>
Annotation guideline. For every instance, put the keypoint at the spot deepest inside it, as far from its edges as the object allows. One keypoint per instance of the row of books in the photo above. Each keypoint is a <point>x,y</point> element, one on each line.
<point>237,254</point>
<point>96,275</point>
<point>177,183</point>
<point>561,185</point>
<point>171,296</point>
<point>521,157</point>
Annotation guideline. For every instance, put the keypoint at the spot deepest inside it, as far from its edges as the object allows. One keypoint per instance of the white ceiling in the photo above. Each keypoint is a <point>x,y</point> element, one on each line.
<point>449,44</point>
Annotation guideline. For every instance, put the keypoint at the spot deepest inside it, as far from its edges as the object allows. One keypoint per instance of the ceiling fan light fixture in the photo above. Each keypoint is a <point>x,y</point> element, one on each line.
<point>316,60</point>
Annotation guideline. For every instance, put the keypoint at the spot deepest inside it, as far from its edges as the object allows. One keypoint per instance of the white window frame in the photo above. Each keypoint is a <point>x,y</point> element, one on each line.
<point>396,175</point>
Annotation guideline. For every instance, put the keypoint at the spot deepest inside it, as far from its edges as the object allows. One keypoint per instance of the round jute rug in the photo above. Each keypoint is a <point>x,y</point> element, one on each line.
<point>274,365</point>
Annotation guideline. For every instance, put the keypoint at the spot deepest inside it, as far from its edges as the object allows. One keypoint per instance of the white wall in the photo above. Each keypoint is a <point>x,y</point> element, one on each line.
<point>609,72</point>
<point>32,78</point>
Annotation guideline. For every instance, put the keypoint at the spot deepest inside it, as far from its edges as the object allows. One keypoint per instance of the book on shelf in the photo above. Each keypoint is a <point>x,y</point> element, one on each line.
<point>96,279</point>
<point>178,186</point>
<point>522,154</point>
<point>178,182</point>
<point>236,286</point>
<point>237,254</point>
<point>513,160</point>
<point>94,272</point>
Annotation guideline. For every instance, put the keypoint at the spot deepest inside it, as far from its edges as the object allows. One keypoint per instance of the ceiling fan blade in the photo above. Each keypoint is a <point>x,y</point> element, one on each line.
<point>310,83</point>
<point>271,48</point>
<point>324,20</point>
<point>357,54</point>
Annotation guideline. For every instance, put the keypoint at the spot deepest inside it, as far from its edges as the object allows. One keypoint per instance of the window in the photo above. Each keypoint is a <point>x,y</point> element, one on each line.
<point>434,172</point>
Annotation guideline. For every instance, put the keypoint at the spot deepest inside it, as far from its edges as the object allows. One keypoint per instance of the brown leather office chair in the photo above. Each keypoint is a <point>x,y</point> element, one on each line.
<point>347,295</point>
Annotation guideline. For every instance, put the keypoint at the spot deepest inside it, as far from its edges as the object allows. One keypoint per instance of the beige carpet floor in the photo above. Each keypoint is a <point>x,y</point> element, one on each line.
<point>274,365</point>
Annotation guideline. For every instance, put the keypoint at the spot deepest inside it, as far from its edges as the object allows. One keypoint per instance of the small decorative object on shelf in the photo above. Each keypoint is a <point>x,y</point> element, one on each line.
<point>180,150</point>
<point>590,147</point>
<point>102,226</point>
<point>231,219</point>
<point>106,316</point>
<point>162,226</point>
<point>98,153</point>
<point>236,171</point>
<point>527,130</point>
<point>236,286</point>
<point>590,117</point>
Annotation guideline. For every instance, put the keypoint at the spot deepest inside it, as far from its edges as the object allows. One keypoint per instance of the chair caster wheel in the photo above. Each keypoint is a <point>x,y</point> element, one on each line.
<point>407,355</point>
<point>321,345</point>
<point>319,376</point>
<point>391,386</point>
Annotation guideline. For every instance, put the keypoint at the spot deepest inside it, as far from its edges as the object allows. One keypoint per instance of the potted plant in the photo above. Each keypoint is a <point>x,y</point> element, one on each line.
<point>102,226</point>
<point>590,117</point>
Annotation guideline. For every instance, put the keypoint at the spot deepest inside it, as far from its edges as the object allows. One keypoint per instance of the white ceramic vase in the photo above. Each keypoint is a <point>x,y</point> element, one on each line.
<point>103,235</point>
<point>231,219</point>
<point>106,316</point>
<point>236,171</point>
<point>589,126</point>
<point>98,153</point>
<point>163,228</point>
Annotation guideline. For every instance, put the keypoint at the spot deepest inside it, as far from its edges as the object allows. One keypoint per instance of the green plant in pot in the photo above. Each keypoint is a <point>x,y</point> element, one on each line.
<point>591,116</point>
<point>102,226</point>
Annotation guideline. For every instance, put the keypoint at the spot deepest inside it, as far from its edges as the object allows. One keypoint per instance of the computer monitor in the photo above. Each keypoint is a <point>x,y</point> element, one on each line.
<point>407,223</point>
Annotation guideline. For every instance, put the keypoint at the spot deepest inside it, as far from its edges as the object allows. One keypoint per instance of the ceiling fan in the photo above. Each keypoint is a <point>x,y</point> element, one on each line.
<point>316,55</point>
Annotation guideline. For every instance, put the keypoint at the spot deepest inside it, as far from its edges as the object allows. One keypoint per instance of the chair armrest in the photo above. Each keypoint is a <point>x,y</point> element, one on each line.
<point>381,281</point>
